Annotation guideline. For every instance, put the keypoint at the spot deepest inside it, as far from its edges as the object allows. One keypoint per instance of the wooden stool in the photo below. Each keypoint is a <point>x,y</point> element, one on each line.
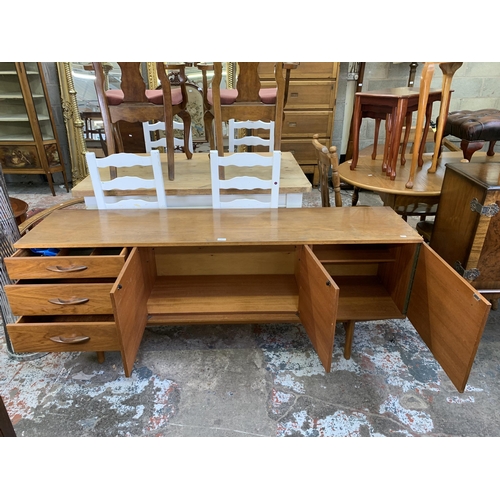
<point>20,209</point>
<point>474,128</point>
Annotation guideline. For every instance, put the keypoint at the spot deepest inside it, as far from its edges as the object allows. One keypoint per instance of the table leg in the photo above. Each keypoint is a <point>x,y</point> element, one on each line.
<point>387,145</point>
<point>399,114</point>
<point>425,82</point>
<point>405,140</point>
<point>355,131</point>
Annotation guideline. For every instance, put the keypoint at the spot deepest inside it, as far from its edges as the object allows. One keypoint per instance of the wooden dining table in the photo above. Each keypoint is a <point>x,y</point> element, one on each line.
<point>192,188</point>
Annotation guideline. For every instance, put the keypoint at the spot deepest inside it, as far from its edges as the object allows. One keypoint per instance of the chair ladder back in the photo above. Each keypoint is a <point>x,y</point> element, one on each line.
<point>151,143</point>
<point>127,182</point>
<point>245,182</point>
<point>250,140</point>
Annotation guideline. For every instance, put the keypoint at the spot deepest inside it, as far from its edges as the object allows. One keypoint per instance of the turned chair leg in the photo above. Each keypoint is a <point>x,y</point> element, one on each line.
<point>491,147</point>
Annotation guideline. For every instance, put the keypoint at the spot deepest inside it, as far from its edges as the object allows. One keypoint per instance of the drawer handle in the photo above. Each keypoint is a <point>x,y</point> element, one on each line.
<point>69,269</point>
<point>69,302</point>
<point>292,124</point>
<point>294,94</point>
<point>70,340</point>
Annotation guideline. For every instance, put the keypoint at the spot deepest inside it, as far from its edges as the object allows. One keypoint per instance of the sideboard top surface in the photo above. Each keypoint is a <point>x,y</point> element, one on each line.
<point>207,227</point>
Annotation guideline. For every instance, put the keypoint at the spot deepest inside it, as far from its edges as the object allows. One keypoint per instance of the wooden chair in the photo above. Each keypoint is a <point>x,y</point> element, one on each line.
<point>235,139</point>
<point>265,176</point>
<point>327,159</point>
<point>246,102</point>
<point>448,69</point>
<point>127,160</point>
<point>150,128</point>
<point>133,103</point>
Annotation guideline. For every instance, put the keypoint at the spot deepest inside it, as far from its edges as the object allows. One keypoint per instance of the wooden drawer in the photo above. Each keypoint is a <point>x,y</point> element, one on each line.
<point>307,123</point>
<point>64,333</point>
<point>304,70</point>
<point>57,298</point>
<point>68,263</point>
<point>308,94</point>
<point>302,150</point>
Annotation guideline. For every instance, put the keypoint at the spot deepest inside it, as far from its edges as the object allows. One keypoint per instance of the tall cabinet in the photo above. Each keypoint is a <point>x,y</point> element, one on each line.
<point>28,136</point>
<point>310,109</point>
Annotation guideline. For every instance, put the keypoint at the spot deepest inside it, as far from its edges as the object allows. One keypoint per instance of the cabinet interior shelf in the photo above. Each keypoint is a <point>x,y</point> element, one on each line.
<point>207,298</point>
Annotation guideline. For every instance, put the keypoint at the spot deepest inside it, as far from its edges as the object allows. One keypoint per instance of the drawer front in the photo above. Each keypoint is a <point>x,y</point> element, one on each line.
<point>59,299</point>
<point>304,70</point>
<point>307,123</point>
<point>302,150</point>
<point>26,264</point>
<point>48,334</point>
<point>309,95</point>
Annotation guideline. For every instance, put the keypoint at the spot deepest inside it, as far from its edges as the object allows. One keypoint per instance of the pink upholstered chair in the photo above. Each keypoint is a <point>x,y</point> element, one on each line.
<point>248,101</point>
<point>134,103</point>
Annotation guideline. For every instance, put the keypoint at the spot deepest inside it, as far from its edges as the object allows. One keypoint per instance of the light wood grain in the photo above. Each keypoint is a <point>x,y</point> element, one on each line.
<point>318,302</point>
<point>129,297</point>
<point>30,334</point>
<point>448,314</point>
<point>205,227</point>
<point>192,177</point>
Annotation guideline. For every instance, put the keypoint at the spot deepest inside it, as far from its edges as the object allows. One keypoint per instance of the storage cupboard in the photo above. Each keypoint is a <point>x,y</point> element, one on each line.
<point>466,230</point>
<point>114,272</point>
<point>28,136</point>
<point>310,109</point>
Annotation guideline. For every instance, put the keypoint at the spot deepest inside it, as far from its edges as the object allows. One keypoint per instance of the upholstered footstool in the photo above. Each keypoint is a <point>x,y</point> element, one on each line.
<point>474,128</point>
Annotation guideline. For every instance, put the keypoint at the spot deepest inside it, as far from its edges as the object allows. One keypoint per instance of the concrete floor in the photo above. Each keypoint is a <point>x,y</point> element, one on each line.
<point>253,380</point>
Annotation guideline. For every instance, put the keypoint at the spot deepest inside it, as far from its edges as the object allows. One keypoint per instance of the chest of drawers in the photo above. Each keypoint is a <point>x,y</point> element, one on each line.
<point>310,109</point>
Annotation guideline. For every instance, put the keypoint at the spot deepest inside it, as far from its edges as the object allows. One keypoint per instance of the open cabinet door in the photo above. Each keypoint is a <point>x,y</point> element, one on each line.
<point>318,303</point>
<point>448,313</point>
<point>129,297</point>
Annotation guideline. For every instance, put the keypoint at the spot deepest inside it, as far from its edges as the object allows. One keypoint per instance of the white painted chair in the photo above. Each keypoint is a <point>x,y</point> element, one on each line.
<point>148,128</point>
<point>127,182</point>
<point>250,140</point>
<point>265,176</point>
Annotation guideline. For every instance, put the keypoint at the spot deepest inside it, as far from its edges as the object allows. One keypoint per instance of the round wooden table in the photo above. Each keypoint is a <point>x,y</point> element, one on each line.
<point>20,208</point>
<point>421,200</point>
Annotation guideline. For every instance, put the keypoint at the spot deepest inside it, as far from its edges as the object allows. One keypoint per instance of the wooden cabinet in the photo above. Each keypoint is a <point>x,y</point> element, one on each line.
<point>466,230</point>
<point>28,137</point>
<point>310,109</point>
<point>316,266</point>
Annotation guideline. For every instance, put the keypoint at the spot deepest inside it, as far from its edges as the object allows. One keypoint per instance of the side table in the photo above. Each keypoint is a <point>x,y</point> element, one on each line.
<point>394,105</point>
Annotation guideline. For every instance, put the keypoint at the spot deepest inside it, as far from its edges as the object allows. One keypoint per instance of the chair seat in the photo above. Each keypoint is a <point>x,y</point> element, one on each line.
<point>115,97</point>
<point>228,96</point>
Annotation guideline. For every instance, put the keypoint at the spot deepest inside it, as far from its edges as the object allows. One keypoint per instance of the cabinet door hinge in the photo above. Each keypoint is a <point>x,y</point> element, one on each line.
<point>468,274</point>
<point>487,211</point>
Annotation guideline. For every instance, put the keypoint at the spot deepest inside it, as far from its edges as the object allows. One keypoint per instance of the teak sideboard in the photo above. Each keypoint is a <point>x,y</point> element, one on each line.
<point>115,272</point>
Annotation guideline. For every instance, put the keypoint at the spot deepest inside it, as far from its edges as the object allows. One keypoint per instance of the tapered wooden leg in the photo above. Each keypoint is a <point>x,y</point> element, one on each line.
<point>355,132</point>
<point>387,145</point>
<point>448,69</point>
<point>100,356</point>
<point>186,120</point>
<point>349,334</point>
<point>375,138</point>
<point>425,82</point>
<point>491,150</point>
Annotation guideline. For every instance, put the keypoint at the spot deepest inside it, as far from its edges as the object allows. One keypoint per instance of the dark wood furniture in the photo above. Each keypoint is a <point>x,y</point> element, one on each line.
<point>395,105</point>
<point>466,230</point>
<point>248,101</point>
<point>28,136</point>
<point>19,208</point>
<point>6,427</point>
<point>117,271</point>
<point>309,108</point>
<point>474,128</point>
<point>132,103</point>
<point>327,161</point>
